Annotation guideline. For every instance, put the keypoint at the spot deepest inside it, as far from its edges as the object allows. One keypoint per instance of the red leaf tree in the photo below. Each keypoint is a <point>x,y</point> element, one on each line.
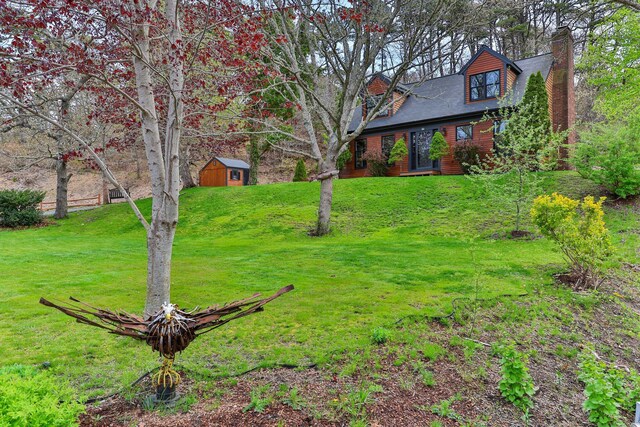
<point>161,70</point>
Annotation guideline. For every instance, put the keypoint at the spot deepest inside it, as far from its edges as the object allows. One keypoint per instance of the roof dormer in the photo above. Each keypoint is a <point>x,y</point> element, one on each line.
<point>375,88</point>
<point>488,75</point>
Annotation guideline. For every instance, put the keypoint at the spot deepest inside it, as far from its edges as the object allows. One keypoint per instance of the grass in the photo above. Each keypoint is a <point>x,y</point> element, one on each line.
<point>400,247</point>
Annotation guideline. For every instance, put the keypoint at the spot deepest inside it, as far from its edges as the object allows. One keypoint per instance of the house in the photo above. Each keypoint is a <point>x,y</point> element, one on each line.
<point>455,105</point>
<point>223,172</point>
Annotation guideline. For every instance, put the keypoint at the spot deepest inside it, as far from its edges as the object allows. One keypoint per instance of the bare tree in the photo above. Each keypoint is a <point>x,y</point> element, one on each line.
<point>329,48</point>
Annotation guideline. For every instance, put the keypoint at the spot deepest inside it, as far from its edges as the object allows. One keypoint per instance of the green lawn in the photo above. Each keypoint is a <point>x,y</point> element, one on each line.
<point>399,247</point>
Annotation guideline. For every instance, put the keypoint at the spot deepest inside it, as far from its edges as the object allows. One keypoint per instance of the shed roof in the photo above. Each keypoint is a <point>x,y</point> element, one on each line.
<point>444,97</point>
<point>233,163</point>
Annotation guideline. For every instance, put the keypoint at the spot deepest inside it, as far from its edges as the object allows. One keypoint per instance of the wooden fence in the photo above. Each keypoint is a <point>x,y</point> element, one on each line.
<point>74,203</point>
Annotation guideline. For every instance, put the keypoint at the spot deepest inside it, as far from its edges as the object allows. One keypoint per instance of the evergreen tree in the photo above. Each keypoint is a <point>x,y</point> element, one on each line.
<point>398,152</point>
<point>301,172</point>
<point>535,111</point>
<point>439,147</point>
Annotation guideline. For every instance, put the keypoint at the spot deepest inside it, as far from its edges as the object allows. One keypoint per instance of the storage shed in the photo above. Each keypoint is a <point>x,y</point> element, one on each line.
<point>223,172</point>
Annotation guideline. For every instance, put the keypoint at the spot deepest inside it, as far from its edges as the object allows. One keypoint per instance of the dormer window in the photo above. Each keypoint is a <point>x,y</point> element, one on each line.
<point>484,85</point>
<point>372,101</point>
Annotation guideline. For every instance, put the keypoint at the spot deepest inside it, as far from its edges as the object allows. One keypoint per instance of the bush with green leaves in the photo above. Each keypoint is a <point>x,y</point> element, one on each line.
<point>343,159</point>
<point>579,229</point>
<point>609,154</point>
<point>34,398</point>
<point>20,207</point>
<point>516,384</point>
<point>467,154</point>
<point>607,390</point>
<point>377,163</point>
<point>398,152</point>
<point>439,147</point>
<point>301,172</point>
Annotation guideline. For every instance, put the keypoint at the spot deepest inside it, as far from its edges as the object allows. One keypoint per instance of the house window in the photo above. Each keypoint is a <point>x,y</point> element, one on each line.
<point>388,141</point>
<point>372,101</point>
<point>360,149</point>
<point>235,175</point>
<point>464,132</point>
<point>484,85</point>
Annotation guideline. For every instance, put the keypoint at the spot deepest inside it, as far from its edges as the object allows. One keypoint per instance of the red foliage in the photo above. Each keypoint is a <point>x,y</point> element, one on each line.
<point>47,45</point>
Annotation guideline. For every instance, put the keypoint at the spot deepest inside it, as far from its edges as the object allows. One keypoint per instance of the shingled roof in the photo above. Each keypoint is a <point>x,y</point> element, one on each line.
<point>444,97</point>
<point>233,163</point>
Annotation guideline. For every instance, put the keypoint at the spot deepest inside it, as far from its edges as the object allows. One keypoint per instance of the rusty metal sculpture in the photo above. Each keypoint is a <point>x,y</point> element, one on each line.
<point>169,330</point>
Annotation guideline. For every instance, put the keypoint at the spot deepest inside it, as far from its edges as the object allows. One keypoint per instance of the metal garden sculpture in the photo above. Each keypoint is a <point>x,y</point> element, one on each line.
<point>168,331</point>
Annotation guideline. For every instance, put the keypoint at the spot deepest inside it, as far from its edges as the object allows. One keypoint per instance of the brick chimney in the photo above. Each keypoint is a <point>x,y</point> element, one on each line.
<point>563,104</point>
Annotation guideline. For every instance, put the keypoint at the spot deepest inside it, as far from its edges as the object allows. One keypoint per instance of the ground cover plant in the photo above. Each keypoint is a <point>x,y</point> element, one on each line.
<point>31,397</point>
<point>238,240</point>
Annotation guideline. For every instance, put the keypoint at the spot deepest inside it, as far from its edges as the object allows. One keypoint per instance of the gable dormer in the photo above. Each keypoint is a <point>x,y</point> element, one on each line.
<point>488,75</point>
<point>375,88</point>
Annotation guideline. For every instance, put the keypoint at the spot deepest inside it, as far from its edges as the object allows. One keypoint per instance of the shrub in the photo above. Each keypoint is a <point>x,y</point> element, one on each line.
<point>376,163</point>
<point>20,207</point>
<point>516,384</point>
<point>609,155</point>
<point>467,154</point>
<point>578,228</point>
<point>439,147</point>
<point>301,172</point>
<point>34,398</point>
<point>398,152</point>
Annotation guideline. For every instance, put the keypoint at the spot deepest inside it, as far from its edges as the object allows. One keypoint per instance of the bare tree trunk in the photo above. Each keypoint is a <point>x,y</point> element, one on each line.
<point>185,168</point>
<point>254,159</point>
<point>62,186</point>
<point>159,250</point>
<point>324,209</point>
<point>105,181</point>
<point>164,170</point>
<point>105,190</point>
<point>138,167</point>
<point>327,173</point>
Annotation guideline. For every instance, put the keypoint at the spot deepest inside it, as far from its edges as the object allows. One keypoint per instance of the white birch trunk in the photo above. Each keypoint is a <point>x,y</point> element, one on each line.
<point>164,167</point>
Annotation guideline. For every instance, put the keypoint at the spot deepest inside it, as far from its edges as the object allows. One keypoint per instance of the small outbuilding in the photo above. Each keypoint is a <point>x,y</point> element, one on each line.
<point>223,172</point>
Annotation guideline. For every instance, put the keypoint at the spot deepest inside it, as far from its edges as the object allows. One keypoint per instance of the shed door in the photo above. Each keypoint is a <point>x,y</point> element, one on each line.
<point>219,178</point>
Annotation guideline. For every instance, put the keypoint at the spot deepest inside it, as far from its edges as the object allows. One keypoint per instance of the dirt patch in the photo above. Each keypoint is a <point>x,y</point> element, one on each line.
<point>521,234</point>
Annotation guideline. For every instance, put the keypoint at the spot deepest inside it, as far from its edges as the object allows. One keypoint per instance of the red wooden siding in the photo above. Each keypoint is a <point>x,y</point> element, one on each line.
<point>511,78</point>
<point>484,62</point>
<point>215,174</point>
<point>482,136</point>
<point>232,182</point>
<point>379,87</point>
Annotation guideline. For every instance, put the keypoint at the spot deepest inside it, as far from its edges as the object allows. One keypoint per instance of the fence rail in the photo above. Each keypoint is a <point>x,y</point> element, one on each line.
<point>74,203</point>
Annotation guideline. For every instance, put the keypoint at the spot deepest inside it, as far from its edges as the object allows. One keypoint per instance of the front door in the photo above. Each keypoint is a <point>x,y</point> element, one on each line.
<point>420,145</point>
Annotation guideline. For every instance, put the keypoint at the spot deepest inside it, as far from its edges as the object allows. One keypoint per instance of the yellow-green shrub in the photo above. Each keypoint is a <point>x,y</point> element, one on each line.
<point>34,398</point>
<point>579,229</point>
